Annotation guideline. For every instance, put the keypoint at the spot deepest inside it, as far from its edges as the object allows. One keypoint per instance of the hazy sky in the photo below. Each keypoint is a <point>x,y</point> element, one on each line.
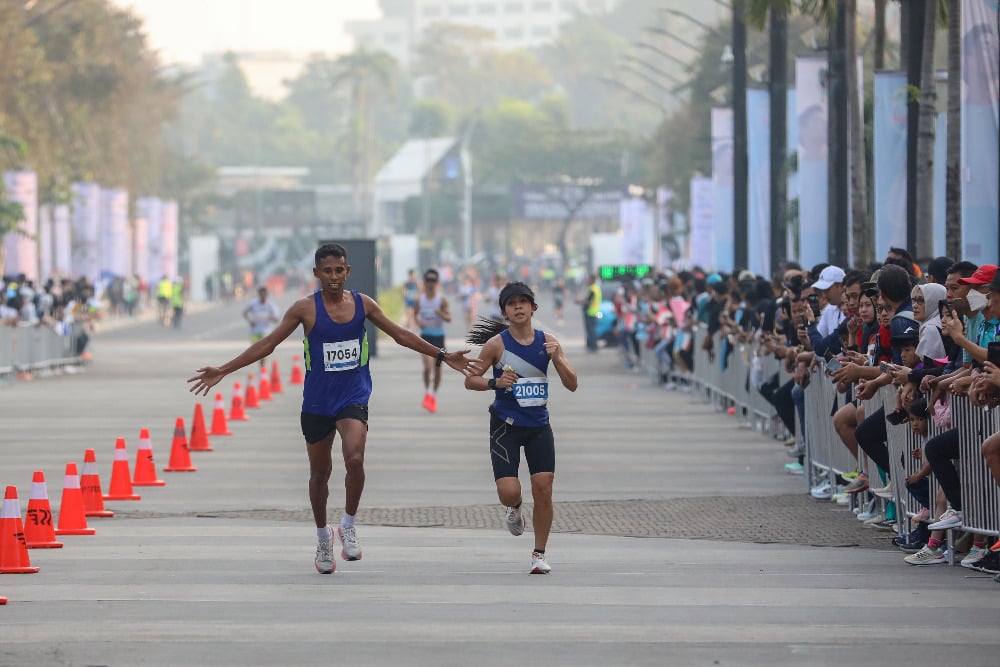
<point>181,30</point>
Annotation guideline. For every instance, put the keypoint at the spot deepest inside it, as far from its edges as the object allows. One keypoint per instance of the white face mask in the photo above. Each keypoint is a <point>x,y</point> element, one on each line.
<point>977,300</point>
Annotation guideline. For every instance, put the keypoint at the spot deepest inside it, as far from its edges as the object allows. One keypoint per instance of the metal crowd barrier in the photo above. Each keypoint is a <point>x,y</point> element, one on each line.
<point>27,348</point>
<point>980,494</point>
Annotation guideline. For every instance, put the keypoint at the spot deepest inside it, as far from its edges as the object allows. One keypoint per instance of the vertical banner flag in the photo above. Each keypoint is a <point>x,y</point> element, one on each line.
<point>791,141</point>
<point>44,241</point>
<point>86,222</point>
<point>140,245</point>
<point>666,239</point>
<point>811,108</point>
<point>168,238</point>
<point>722,189</point>
<point>636,220</point>
<point>759,180</point>
<point>62,239</point>
<point>940,184</point>
<point>22,246</point>
<point>889,152</point>
<point>980,130</point>
<point>701,221</point>
<point>115,254</point>
<point>150,209</point>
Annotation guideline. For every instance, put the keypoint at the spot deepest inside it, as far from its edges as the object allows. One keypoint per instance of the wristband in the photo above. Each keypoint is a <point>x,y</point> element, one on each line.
<point>492,384</point>
<point>440,357</point>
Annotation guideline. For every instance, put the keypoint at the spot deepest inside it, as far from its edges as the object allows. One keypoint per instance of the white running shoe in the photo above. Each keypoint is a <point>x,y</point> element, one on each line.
<point>324,556</point>
<point>515,520</point>
<point>951,518</point>
<point>538,564</point>
<point>926,556</point>
<point>349,540</point>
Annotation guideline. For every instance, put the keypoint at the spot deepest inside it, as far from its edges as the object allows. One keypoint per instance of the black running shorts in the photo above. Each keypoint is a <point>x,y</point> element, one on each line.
<point>506,442</point>
<point>317,427</point>
<point>436,341</point>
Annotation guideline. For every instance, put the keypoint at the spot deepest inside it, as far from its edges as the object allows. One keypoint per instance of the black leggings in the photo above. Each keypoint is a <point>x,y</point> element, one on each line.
<point>781,399</point>
<point>940,451</point>
<point>871,435</point>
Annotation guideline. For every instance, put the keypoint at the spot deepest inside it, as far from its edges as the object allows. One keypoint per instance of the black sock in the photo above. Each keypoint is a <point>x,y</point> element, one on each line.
<point>540,552</point>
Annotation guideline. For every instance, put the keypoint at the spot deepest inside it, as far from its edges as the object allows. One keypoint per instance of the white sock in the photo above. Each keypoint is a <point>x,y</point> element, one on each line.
<point>324,534</point>
<point>347,521</point>
<point>432,391</point>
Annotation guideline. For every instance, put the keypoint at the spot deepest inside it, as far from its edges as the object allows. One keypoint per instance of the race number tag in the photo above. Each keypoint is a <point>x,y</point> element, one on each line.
<point>341,356</point>
<point>531,392</point>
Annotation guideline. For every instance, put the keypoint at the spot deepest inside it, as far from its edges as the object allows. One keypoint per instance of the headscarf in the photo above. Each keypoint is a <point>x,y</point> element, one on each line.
<point>930,343</point>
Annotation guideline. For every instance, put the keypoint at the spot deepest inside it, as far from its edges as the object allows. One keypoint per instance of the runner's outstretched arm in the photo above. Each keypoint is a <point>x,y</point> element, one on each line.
<point>208,376</point>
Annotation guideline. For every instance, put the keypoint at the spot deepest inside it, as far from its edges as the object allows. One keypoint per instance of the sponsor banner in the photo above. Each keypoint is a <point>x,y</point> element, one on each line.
<point>62,240</point>
<point>168,239</point>
<point>889,151</point>
<point>701,239</point>
<point>150,211</point>
<point>637,219</point>
<point>940,184</point>
<point>759,181</point>
<point>791,141</point>
<point>980,130</point>
<point>45,241</point>
<point>115,250</point>
<point>722,188</point>
<point>86,224</point>
<point>22,246</point>
<point>811,108</point>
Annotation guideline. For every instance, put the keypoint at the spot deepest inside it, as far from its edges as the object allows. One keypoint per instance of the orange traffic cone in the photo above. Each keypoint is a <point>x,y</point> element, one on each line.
<point>145,469</point>
<point>296,371</point>
<point>120,487</point>
<point>72,518</point>
<point>236,412</point>
<point>251,399</point>
<point>13,549</point>
<point>275,378</point>
<point>265,385</point>
<point>39,532</point>
<point>199,436</point>
<point>90,487</point>
<point>219,426</point>
<point>180,458</point>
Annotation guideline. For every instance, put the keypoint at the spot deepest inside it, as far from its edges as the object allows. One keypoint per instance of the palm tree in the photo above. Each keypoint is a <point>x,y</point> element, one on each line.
<point>362,73</point>
<point>860,227</point>
<point>924,243</point>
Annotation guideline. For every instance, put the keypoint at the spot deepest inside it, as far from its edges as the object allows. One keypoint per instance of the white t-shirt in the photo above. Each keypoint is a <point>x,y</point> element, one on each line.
<point>829,320</point>
<point>261,316</point>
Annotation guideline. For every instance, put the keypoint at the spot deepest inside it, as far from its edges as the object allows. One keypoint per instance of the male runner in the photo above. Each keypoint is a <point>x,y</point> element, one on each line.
<point>431,313</point>
<point>261,315</point>
<point>337,386</point>
<point>519,355</point>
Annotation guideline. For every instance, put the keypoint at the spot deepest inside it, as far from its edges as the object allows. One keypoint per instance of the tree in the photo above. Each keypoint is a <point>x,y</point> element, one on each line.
<point>924,241</point>
<point>953,169</point>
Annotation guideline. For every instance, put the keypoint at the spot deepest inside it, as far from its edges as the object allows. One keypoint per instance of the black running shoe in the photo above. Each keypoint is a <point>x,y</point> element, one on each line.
<point>988,563</point>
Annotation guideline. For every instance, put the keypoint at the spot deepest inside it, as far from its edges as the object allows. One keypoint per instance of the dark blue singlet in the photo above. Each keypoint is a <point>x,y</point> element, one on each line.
<point>336,362</point>
<point>525,403</point>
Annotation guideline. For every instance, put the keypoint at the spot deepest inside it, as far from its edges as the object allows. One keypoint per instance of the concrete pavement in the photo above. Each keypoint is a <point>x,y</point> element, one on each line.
<point>216,567</point>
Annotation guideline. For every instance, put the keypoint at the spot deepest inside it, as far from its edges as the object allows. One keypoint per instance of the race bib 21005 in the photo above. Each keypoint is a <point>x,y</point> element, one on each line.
<point>531,392</point>
<point>343,355</point>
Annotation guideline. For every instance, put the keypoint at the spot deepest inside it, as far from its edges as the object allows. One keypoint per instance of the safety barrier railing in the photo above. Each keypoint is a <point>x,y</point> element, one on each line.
<point>732,387</point>
<point>30,349</point>
<point>980,494</point>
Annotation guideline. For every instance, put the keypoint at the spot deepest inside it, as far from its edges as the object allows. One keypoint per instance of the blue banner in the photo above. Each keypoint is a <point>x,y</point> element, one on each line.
<point>759,181</point>
<point>889,151</point>
<point>722,189</point>
<point>811,107</point>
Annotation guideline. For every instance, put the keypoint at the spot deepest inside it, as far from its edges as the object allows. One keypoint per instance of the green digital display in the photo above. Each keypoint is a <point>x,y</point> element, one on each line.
<point>619,271</point>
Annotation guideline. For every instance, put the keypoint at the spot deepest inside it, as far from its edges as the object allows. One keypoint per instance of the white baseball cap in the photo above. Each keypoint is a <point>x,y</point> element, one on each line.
<point>828,277</point>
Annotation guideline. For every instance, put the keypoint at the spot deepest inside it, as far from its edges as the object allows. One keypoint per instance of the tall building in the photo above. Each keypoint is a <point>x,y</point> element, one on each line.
<point>515,23</point>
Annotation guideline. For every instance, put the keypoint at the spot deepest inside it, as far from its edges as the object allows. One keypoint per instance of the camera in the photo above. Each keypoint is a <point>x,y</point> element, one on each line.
<point>813,300</point>
<point>993,353</point>
<point>886,367</point>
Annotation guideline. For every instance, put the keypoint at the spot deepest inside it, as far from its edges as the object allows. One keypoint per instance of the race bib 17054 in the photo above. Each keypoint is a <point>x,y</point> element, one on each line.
<point>343,355</point>
<point>531,392</point>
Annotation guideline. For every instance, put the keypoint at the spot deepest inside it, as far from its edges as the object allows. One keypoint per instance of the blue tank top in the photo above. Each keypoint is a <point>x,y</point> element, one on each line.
<point>524,404</point>
<point>336,362</point>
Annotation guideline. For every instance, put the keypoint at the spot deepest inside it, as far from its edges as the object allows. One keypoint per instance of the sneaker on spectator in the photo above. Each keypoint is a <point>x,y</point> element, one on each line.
<point>974,555</point>
<point>926,556</point>
<point>887,526</point>
<point>923,516</point>
<point>841,497</point>
<point>885,491</point>
<point>797,450</point>
<point>874,518</point>
<point>995,547</point>
<point>857,485</point>
<point>515,520</point>
<point>997,578</point>
<point>794,468</point>
<point>790,442</point>
<point>989,563</point>
<point>910,544</point>
<point>822,492</point>
<point>951,518</point>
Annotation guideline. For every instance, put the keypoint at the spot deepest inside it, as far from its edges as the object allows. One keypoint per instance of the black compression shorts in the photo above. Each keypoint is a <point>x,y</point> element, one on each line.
<point>317,427</point>
<point>506,442</point>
